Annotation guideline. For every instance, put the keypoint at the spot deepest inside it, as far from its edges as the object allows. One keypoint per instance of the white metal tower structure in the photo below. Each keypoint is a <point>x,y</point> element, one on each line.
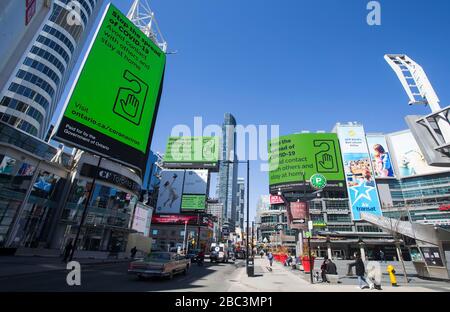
<point>420,91</point>
<point>144,18</point>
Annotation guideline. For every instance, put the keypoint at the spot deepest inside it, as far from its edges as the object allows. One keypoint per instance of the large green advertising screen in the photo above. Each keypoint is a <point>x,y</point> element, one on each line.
<point>192,152</point>
<point>311,153</point>
<point>112,106</point>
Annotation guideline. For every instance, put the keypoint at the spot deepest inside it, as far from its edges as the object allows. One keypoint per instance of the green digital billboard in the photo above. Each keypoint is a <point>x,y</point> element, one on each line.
<point>192,152</point>
<point>309,153</point>
<point>112,106</point>
<point>193,202</point>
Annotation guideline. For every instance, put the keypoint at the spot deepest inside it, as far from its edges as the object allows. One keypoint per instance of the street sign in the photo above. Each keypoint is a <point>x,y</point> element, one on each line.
<point>301,221</point>
<point>308,234</point>
<point>310,225</point>
<point>318,181</point>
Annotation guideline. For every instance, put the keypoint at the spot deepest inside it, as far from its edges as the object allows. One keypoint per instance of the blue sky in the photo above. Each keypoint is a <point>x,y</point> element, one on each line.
<point>303,65</point>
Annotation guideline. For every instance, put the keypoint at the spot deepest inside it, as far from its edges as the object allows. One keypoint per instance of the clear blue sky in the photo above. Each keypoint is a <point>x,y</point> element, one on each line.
<point>303,65</point>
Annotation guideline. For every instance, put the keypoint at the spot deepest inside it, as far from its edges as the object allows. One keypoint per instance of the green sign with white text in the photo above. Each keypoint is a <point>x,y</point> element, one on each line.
<point>112,108</point>
<point>293,155</point>
<point>193,202</point>
<point>192,152</point>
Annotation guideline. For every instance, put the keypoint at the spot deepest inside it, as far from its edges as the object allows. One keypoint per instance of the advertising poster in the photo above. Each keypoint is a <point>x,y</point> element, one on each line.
<point>194,190</point>
<point>170,191</point>
<point>142,217</point>
<point>380,156</point>
<point>297,215</point>
<point>195,182</point>
<point>408,157</point>
<point>312,153</point>
<point>361,185</point>
<point>112,107</point>
<point>190,202</point>
<point>276,200</point>
<point>192,152</point>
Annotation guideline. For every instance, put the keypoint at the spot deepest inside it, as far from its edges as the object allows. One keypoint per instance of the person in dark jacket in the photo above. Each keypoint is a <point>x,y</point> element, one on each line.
<point>133,252</point>
<point>323,270</point>
<point>360,271</point>
<point>331,268</point>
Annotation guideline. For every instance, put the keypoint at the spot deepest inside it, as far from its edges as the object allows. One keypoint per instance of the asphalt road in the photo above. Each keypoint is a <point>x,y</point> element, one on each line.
<point>114,277</point>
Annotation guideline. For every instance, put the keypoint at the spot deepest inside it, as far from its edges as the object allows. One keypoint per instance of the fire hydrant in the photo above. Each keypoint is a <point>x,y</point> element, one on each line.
<point>392,277</point>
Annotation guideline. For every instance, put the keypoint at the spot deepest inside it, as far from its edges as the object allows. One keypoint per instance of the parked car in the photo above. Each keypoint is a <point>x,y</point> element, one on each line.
<point>163,264</point>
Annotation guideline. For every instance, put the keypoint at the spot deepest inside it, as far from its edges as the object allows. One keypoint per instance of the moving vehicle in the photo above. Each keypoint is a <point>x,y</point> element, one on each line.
<point>218,252</point>
<point>193,255</point>
<point>163,264</point>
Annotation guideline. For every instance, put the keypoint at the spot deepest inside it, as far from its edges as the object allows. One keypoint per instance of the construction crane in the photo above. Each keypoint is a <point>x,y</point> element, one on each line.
<point>420,91</point>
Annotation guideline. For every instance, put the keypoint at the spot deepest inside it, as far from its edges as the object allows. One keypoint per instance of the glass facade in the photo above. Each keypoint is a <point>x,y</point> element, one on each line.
<point>227,178</point>
<point>30,99</point>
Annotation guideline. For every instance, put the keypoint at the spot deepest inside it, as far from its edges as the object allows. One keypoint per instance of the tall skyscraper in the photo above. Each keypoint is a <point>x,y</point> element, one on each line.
<point>240,203</point>
<point>30,96</point>
<point>228,171</point>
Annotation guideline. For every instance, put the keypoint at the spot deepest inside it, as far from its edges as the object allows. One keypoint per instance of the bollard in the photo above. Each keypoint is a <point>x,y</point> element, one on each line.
<point>392,277</point>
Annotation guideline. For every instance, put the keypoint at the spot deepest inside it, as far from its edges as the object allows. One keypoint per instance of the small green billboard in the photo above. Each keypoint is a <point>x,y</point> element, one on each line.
<point>193,202</point>
<point>294,159</point>
<point>192,152</point>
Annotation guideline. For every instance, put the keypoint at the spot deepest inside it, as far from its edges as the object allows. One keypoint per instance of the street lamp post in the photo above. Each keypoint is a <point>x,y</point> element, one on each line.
<point>247,260</point>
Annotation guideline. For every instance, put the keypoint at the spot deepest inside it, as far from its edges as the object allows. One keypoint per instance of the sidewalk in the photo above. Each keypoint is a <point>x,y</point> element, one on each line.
<point>21,265</point>
<point>284,279</point>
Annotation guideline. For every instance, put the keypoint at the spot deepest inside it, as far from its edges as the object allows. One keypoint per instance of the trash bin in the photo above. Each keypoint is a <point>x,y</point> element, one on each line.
<point>306,263</point>
<point>250,269</point>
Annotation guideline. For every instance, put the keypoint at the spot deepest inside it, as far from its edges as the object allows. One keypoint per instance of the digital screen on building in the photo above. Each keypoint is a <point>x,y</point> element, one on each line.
<point>170,191</point>
<point>112,106</point>
<point>192,152</point>
<point>380,156</point>
<point>312,153</point>
<point>360,179</point>
<point>193,202</point>
<point>408,157</point>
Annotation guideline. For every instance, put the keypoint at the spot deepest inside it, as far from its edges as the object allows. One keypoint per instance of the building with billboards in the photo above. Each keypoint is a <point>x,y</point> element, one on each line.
<point>44,191</point>
<point>384,175</point>
<point>34,87</point>
<point>240,203</point>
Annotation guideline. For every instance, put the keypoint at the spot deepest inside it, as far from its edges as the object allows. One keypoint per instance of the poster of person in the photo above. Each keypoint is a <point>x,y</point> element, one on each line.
<point>380,156</point>
<point>170,191</point>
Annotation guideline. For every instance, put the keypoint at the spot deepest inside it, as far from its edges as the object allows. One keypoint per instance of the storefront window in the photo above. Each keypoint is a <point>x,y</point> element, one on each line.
<point>109,213</point>
<point>35,220</point>
<point>15,180</point>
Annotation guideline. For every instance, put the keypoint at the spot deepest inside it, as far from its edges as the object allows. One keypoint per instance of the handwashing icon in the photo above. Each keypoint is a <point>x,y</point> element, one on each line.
<point>130,100</point>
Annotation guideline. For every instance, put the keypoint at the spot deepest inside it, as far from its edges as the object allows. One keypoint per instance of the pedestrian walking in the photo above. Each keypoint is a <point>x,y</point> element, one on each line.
<point>382,258</point>
<point>133,252</point>
<point>67,251</point>
<point>323,269</point>
<point>360,271</point>
<point>270,257</point>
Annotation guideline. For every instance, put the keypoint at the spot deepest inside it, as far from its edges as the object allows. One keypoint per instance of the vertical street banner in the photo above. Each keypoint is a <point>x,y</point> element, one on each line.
<point>359,174</point>
<point>112,106</point>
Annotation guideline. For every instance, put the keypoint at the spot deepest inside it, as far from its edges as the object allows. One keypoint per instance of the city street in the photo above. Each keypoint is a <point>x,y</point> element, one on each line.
<point>222,277</point>
<point>114,277</point>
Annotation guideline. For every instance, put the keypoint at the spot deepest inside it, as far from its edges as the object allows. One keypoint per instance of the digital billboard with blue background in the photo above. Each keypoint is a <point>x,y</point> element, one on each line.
<point>360,179</point>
